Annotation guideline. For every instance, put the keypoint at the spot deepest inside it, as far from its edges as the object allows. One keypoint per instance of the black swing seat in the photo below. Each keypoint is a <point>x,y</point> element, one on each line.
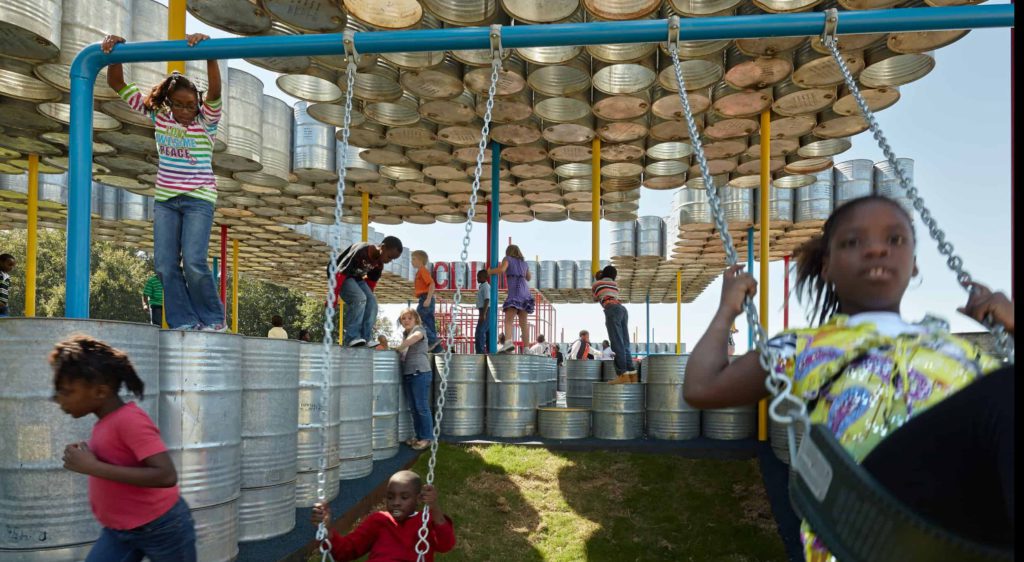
<point>859,520</point>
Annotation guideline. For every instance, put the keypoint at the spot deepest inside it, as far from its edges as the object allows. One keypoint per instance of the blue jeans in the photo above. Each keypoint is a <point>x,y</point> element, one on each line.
<point>360,310</point>
<point>169,538</point>
<point>417,395</point>
<point>483,334</point>
<point>4,312</point>
<point>181,237</point>
<point>427,316</point>
<point>616,321</point>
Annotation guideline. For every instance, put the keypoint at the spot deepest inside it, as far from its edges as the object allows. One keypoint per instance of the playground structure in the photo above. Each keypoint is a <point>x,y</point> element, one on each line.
<point>87,64</point>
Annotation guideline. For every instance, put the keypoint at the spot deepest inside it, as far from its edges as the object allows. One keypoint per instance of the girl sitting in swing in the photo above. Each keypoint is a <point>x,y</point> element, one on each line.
<point>928,414</point>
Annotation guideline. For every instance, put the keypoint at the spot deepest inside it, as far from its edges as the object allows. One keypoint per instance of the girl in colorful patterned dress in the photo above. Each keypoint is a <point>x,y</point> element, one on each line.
<point>928,414</point>
<point>186,189</point>
<point>519,302</point>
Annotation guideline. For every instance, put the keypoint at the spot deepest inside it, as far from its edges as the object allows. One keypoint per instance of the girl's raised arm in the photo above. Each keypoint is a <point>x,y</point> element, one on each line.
<point>711,380</point>
<point>115,72</point>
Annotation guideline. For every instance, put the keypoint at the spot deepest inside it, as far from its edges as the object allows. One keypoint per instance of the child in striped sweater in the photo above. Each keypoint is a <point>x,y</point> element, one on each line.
<point>616,321</point>
<point>186,189</point>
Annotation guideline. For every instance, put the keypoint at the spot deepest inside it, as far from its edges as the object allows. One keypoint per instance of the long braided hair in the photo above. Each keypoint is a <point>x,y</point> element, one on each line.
<point>811,256</point>
<point>159,97</point>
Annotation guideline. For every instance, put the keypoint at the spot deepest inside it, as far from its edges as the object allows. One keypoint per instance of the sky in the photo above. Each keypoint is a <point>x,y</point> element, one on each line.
<point>954,123</point>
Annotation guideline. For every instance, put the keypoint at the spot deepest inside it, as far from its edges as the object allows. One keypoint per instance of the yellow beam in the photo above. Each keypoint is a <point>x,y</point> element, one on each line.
<point>762,281</point>
<point>679,312</point>
<point>234,286</point>
<point>175,30</point>
<point>366,217</point>
<point>341,323</point>
<point>33,242</point>
<point>595,205</point>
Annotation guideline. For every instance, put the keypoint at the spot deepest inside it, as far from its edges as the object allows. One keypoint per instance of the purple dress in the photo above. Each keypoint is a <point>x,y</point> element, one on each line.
<point>519,295</point>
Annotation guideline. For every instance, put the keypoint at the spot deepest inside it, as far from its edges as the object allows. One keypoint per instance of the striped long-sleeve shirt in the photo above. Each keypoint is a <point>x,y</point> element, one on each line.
<point>5,289</point>
<point>606,292</point>
<point>186,152</point>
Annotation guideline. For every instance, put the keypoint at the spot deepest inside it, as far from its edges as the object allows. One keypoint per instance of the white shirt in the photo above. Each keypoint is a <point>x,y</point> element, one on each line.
<point>277,333</point>
<point>540,348</point>
<point>607,353</point>
<point>889,324</point>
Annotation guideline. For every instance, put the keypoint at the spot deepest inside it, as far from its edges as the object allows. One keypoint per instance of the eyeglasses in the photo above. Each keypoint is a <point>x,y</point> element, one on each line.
<point>183,106</point>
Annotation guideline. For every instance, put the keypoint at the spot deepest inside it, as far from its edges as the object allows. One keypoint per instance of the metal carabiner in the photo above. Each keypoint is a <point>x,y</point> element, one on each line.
<point>349,40</point>
<point>828,35</point>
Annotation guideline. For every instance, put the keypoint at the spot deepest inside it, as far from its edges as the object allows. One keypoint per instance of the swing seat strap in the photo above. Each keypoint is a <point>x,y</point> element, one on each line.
<point>859,520</point>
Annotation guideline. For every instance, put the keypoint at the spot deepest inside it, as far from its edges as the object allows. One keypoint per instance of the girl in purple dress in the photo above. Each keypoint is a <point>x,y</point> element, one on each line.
<point>519,302</point>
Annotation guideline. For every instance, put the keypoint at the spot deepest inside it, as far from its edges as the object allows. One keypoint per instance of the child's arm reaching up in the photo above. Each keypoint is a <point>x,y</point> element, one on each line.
<point>351,546</point>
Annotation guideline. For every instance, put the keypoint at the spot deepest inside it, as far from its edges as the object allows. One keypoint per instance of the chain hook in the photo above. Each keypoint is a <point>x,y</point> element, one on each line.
<point>828,35</point>
<point>495,37</point>
<point>349,40</point>
<point>673,31</point>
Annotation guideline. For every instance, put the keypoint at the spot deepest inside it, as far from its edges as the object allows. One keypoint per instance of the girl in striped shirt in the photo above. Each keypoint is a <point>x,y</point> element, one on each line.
<point>186,190</point>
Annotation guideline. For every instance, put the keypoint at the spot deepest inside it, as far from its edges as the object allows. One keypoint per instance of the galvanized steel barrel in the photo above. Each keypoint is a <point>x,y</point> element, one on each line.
<point>36,527</point>
<point>84,23</point>
<point>305,487</point>
<point>777,435</point>
<point>216,529</point>
<point>584,277</point>
<point>887,185</point>
<point>853,179</point>
<point>534,267</point>
<point>580,375</point>
<point>201,413</point>
<point>406,430</point>
<point>267,512</point>
<point>548,275</point>
<point>623,239</point>
<point>464,399</point>
<point>511,396</point>
<point>133,207</point>
<point>244,123</point>
<point>566,274</point>
<point>563,423</point>
<point>737,205</point>
<point>270,414</point>
<point>270,411</point>
<point>668,414</point>
<point>730,423</point>
<point>545,375</point>
<point>355,441</point>
<point>814,202</point>
<point>650,236</point>
<point>275,156</point>
<point>313,150</point>
<point>618,411</point>
<point>311,362</point>
<point>386,380</point>
<point>780,207</point>
<point>608,370</point>
<point>30,29</point>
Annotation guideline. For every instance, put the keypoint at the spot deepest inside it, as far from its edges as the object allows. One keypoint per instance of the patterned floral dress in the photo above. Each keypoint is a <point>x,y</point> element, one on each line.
<point>864,385</point>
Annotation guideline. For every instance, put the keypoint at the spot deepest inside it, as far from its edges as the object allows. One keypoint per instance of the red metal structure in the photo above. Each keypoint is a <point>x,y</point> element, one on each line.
<point>544,320</point>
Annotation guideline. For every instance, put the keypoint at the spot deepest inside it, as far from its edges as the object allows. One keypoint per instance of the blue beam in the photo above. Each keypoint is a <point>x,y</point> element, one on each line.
<point>90,60</point>
<point>492,310</point>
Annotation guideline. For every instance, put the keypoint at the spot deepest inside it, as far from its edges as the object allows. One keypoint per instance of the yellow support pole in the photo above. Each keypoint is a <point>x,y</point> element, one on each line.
<point>175,30</point>
<point>766,180</point>
<point>33,242</point>
<point>366,217</point>
<point>234,286</point>
<point>163,314</point>
<point>341,322</point>
<point>595,205</point>
<point>679,312</point>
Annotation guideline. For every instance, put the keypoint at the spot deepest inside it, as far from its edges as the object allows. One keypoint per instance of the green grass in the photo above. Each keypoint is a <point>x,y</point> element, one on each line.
<point>528,504</point>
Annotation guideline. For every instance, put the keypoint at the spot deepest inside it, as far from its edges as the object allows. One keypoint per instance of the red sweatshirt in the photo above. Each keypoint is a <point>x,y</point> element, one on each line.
<point>390,541</point>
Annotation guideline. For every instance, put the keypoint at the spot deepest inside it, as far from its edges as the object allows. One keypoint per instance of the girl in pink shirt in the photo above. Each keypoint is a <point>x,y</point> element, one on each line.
<point>133,486</point>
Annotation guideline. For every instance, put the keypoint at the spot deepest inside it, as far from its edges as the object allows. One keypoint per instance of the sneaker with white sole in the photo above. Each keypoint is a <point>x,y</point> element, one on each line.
<point>189,327</point>
<point>222,328</point>
<point>358,342</point>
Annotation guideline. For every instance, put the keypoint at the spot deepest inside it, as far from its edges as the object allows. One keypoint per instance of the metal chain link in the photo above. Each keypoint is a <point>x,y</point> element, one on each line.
<point>332,286</point>
<point>1004,342</point>
<point>777,383</point>
<point>422,546</point>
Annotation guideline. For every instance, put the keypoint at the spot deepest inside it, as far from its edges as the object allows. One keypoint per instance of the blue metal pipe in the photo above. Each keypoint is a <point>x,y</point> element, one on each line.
<point>492,310</point>
<point>90,60</point>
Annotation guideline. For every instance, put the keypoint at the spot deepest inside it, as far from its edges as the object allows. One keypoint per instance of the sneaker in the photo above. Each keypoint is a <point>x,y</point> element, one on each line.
<point>358,342</point>
<point>189,327</point>
<point>421,444</point>
<point>222,328</point>
<point>506,348</point>
<point>410,441</point>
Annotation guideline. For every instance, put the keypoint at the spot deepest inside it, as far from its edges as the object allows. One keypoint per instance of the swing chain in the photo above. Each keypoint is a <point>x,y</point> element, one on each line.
<point>1003,341</point>
<point>332,286</point>
<point>777,384</point>
<point>422,546</point>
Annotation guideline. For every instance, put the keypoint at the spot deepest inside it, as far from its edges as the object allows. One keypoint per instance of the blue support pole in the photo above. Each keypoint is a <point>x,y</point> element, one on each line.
<point>750,270</point>
<point>492,311</point>
<point>91,59</point>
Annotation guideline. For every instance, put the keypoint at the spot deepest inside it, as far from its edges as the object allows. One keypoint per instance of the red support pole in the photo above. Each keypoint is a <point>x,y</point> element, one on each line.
<point>785,293</point>
<point>224,265</point>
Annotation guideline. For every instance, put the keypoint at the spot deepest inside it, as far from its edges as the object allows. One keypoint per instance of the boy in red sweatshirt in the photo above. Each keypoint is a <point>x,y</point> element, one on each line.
<point>392,535</point>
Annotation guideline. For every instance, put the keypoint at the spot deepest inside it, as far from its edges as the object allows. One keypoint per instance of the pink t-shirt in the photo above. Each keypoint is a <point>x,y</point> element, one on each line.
<point>126,437</point>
